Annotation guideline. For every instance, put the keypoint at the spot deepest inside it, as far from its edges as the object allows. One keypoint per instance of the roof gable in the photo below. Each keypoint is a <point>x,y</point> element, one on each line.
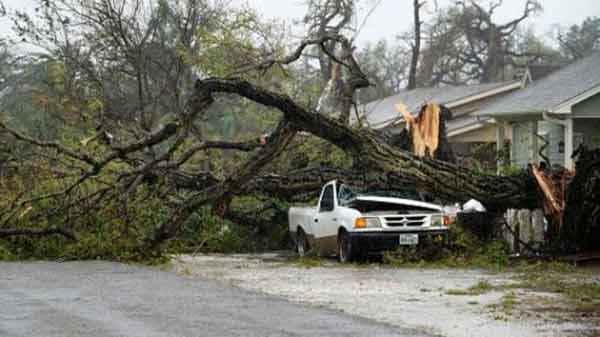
<point>552,91</point>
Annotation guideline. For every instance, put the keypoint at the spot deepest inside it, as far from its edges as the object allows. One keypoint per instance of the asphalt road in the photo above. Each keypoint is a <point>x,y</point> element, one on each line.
<point>109,299</point>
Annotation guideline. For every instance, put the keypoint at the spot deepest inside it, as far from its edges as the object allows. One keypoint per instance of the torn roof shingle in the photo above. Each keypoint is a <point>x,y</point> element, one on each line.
<point>382,112</point>
<point>551,91</point>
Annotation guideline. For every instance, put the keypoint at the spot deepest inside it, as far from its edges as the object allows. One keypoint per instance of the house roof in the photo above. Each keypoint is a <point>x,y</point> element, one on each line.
<point>539,71</point>
<point>382,112</point>
<point>549,93</point>
<point>455,125</point>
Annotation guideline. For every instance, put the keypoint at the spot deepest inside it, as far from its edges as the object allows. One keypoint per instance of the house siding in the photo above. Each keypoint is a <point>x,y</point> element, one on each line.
<point>520,144</point>
<point>586,131</point>
<point>486,134</point>
<point>590,108</point>
<point>554,135</point>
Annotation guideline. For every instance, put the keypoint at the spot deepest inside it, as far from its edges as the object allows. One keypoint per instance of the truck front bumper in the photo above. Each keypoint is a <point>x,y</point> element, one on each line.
<point>380,241</point>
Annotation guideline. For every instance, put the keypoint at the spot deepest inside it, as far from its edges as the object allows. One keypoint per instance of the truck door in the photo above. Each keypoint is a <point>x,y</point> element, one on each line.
<point>326,222</point>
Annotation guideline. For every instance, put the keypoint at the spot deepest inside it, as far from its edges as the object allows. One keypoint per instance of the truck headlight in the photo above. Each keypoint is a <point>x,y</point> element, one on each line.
<point>446,220</point>
<point>367,223</point>
<point>440,220</point>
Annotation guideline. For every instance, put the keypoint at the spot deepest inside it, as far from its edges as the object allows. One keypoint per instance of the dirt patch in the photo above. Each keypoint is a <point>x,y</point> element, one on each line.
<point>446,302</point>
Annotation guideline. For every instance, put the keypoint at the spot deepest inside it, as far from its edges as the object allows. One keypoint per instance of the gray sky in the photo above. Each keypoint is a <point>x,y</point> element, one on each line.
<point>393,17</point>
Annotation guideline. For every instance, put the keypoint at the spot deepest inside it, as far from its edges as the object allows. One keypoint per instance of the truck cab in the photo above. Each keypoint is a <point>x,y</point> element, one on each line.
<point>352,224</point>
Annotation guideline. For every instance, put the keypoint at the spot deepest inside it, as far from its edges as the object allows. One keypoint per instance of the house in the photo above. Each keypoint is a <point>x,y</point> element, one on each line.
<point>465,130</point>
<point>555,114</point>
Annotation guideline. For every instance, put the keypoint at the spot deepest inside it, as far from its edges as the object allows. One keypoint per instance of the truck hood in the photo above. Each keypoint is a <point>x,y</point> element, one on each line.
<point>398,201</point>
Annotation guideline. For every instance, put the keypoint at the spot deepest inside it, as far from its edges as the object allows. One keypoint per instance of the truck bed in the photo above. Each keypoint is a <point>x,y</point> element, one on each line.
<point>300,217</point>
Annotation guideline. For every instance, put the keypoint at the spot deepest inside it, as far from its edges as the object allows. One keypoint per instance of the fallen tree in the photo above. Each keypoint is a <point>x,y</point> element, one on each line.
<point>121,170</point>
<point>382,162</point>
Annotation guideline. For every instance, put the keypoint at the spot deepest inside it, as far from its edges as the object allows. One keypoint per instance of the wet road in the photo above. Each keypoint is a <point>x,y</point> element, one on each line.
<point>108,299</point>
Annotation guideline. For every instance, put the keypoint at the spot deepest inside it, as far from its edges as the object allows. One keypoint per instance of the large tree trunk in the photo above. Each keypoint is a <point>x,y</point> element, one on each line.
<point>383,163</point>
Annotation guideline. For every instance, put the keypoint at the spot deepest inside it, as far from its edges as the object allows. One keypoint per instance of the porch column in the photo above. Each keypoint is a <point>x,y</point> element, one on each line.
<point>568,143</point>
<point>511,129</point>
<point>533,143</point>
<point>500,136</point>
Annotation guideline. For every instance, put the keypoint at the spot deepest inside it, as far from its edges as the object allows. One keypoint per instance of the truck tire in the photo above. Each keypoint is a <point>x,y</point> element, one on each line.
<point>346,251</point>
<point>301,243</point>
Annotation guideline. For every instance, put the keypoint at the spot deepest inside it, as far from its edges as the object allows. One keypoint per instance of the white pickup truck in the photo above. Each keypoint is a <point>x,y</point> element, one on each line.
<point>352,225</point>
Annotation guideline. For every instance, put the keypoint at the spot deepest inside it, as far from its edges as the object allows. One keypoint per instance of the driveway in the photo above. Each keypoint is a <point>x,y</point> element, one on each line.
<point>110,299</point>
<point>427,299</point>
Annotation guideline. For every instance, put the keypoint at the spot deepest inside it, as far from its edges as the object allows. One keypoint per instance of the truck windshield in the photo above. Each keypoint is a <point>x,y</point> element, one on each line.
<point>346,193</point>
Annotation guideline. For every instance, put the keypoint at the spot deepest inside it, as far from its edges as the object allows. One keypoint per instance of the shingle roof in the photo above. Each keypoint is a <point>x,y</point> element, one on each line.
<point>539,71</point>
<point>382,112</point>
<point>551,91</point>
<point>463,122</point>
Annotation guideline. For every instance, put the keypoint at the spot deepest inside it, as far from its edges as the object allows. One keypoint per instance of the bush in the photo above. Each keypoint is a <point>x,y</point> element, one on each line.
<point>207,233</point>
<point>463,249</point>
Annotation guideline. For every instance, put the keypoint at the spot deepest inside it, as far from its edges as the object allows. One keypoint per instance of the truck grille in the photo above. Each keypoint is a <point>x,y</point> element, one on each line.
<point>405,220</point>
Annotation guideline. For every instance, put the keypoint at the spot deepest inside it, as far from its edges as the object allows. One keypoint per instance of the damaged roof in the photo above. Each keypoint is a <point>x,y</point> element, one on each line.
<point>550,92</point>
<point>381,113</point>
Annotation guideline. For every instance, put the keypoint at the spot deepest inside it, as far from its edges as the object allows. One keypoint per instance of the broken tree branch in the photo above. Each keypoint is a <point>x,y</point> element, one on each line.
<point>446,180</point>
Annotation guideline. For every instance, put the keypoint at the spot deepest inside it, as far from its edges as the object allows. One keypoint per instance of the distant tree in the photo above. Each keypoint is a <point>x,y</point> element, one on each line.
<point>538,50</point>
<point>580,40</point>
<point>133,62</point>
<point>386,65</point>
<point>465,44</point>
<point>328,17</point>
<point>488,41</point>
<point>441,61</point>
<point>416,45</point>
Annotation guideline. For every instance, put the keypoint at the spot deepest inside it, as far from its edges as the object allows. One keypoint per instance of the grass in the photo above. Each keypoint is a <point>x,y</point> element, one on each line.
<point>481,287</point>
<point>559,278</point>
<point>538,282</point>
<point>546,267</point>
<point>458,292</point>
<point>309,262</point>
<point>507,305</point>
<point>585,297</point>
<point>186,271</point>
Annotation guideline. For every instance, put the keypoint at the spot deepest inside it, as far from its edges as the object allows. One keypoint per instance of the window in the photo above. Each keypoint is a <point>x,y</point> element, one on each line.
<point>327,200</point>
<point>345,194</point>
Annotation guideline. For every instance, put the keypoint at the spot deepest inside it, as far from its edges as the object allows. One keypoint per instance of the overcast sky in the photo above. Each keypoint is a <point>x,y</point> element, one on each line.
<point>393,17</point>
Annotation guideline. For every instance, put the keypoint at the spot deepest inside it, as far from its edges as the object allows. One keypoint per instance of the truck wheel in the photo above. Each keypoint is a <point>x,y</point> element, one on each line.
<point>301,243</point>
<point>346,252</point>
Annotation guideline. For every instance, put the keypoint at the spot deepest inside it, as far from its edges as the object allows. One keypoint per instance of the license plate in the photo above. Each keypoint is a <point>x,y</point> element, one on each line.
<point>409,239</point>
